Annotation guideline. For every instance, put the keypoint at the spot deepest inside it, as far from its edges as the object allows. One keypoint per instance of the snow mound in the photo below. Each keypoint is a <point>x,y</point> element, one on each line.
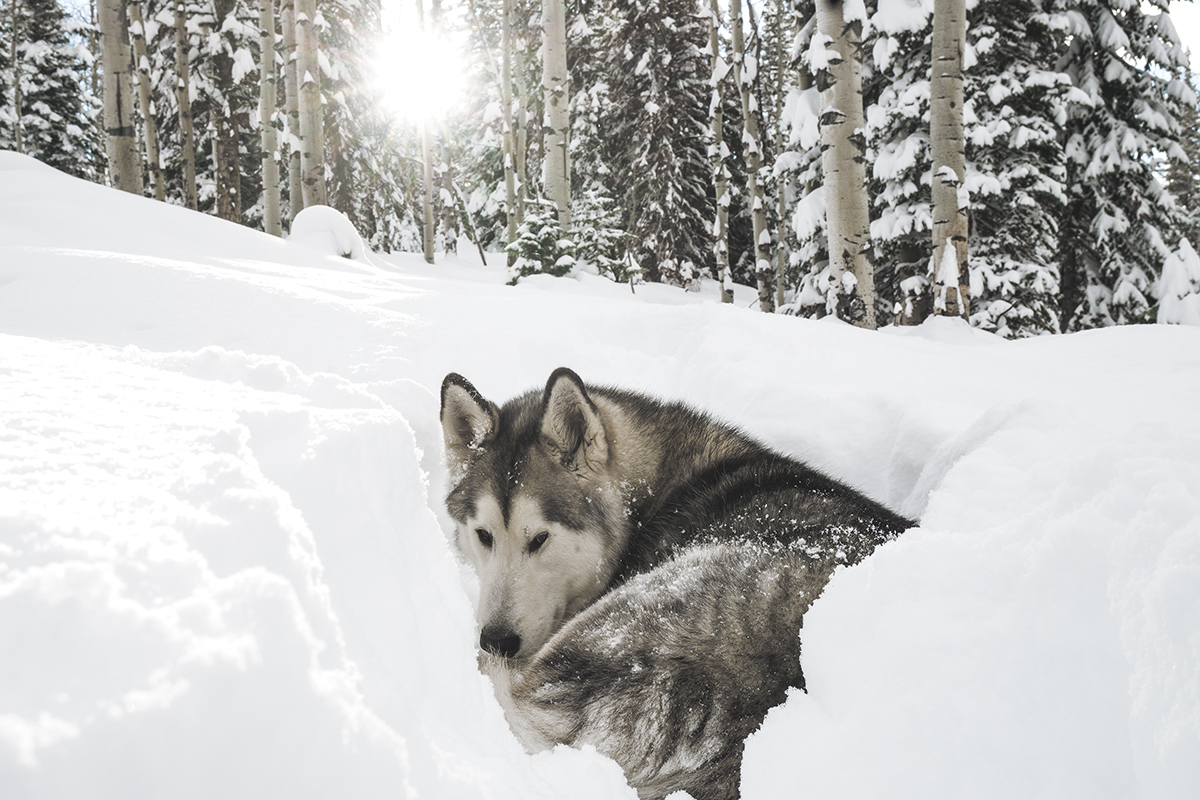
<point>328,231</point>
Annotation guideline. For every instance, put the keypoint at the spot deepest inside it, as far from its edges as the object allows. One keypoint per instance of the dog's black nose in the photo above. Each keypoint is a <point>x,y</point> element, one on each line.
<point>500,641</point>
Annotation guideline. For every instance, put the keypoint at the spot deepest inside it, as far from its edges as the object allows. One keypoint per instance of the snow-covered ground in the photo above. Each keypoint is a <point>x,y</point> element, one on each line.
<point>224,566</point>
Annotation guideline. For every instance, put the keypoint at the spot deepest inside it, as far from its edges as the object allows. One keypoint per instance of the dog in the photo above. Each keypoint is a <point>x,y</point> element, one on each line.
<point>644,571</point>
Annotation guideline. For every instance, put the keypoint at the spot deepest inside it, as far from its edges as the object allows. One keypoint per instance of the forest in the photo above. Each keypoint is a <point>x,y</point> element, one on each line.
<point>1029,165</point>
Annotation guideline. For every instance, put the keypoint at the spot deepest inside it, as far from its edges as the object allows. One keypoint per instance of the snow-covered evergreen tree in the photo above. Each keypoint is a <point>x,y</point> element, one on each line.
<point>654,54</point>
<point>1183,175</point>
<point>1120,222</point>
<point>1015,106</point>
<point>1016,177</point>
<point>1178,290</point>
<point>58,110</point>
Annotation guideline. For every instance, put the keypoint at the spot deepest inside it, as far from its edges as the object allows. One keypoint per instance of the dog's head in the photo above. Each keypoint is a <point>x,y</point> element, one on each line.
<point>536,504</point>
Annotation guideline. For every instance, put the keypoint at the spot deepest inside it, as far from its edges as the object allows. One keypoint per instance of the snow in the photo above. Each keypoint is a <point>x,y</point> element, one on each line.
<point>329,231</point>
<point>225,568</point>
<point>1178,289</point>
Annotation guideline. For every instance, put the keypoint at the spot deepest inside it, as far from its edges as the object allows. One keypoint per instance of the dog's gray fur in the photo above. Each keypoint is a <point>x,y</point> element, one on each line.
<point>643,572</point>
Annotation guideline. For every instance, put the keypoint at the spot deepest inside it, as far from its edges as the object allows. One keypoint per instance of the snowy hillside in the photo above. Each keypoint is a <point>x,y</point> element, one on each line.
<point>224,566</point>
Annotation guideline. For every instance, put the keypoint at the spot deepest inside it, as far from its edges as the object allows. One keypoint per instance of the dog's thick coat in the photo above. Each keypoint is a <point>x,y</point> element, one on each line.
<point>643,572</point>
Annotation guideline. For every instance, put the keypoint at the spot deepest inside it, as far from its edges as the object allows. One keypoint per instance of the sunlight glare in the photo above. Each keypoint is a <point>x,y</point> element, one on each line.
<point>419,75</point>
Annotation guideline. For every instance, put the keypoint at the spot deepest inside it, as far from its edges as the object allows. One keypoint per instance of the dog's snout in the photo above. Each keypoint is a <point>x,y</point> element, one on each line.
<point>500,641</point>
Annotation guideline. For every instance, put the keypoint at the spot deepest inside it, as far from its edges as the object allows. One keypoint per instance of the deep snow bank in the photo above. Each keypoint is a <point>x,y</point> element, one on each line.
<point>223,558</point>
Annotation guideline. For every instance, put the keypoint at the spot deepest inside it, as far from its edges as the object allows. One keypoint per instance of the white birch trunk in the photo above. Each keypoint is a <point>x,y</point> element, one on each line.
<point>187,146</point>
<point>312,133</point>
<point>750,140</point>
<point>427,179</point>
<point>267,100</point>
<point>15,37</point>
<point>843,160</point>
<point>510,188</point>
<point>137,29</point>
<point>949,272</point>
<point>556,86</point>
<point>427,165</point>
<point>520,167</point>
<point>124,164</point>
<point>720,171</point>
<point>781,189</point>
<point>291,90</point>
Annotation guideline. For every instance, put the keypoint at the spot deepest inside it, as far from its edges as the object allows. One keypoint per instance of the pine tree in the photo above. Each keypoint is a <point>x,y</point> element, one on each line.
<point>654,56</point>
<point>58,111</point>
<point>1178,290</point>
<point>1016,171</point>
<point>1119,222</point>
<point>1183,174</point>
<point>1015,102</point>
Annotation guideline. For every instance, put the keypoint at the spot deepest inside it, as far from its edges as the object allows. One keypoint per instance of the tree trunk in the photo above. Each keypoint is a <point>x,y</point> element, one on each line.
<point>449,215</point>
<point>227,173</point>
<point>124,165</point>
<point>312,131</point>
<point>520,167</point>
<point>843,160</point>
<point>743,75</point>
<point>427,184</point>
<point>149,124</point>
<point>15,36</point>
<point>272,223</point>
<point>510,188</point>
<point>427,231</point>
<point>781,189</point>
<point>183,99</point>
<point>948,268</point>
<point>556,86</point>
<point>291,90</point>
<point>720,171</point>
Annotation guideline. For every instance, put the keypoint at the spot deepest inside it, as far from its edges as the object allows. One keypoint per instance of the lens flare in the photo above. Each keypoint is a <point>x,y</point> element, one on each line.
<point>419,73</point>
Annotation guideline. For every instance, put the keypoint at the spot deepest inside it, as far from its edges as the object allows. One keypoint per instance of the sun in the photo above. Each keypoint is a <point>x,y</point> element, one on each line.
<point>420,75</point>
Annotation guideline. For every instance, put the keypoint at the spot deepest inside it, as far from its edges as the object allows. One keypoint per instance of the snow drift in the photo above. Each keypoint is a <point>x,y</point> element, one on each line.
<point>225,569</point>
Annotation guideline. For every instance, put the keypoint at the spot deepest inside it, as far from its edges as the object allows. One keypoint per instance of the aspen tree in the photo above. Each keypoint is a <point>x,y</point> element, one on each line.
<point>291,91</point>
<point>137,29</point>
<point>744,72</point>
<point>312,128</point>
<point>124,165</point>
<point>509,139</point>
<point>187,146</point>
<point>948,267</point>
<point>781,189</point>
<point>227,172</point>
<point>427,164</point>
<point>720,170</point>
<point>272,223</point>
<point>835,55</point>
<point>556,86</point>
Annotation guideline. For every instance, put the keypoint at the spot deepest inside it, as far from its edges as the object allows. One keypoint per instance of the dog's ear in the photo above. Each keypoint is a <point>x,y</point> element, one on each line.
<point>571,423</point>
<point>468,421</point>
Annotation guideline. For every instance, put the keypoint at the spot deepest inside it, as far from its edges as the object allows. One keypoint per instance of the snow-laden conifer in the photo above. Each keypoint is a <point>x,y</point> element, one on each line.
<point>655,54</point>
<point>1178,289</point>
<point>1119,222</point>
<point>57,109</point>
<point>1015,104</point>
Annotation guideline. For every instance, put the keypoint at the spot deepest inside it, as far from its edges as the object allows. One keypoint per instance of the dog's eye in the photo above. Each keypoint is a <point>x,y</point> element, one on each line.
<point>536,542</point>
<point>485,538</point>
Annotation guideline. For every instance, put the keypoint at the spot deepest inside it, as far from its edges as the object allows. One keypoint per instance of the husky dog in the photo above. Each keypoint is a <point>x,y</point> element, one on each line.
<point>643,571</point>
